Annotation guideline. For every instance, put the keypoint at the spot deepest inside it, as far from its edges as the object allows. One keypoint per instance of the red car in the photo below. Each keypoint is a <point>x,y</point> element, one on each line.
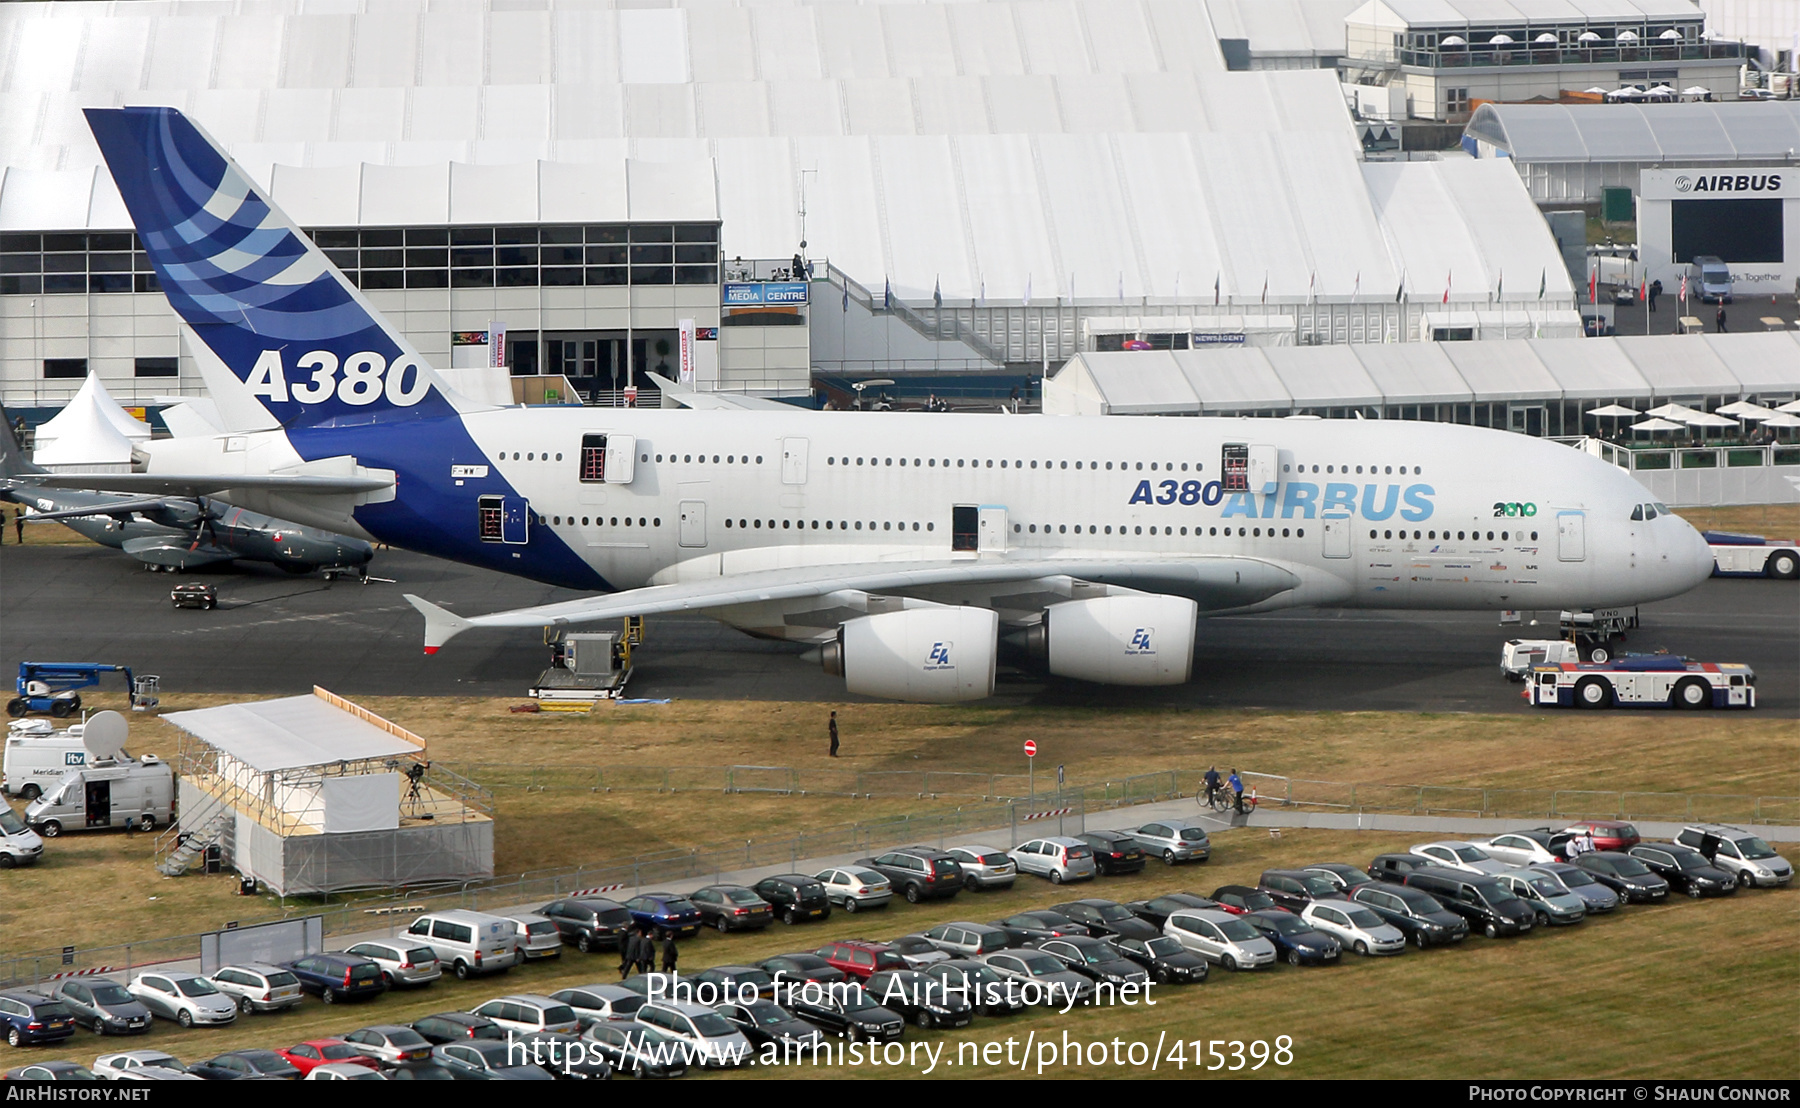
<point>859,958</point>
<point>1240,899</point>
<point>1608,834</point>
<point>317,1052</point>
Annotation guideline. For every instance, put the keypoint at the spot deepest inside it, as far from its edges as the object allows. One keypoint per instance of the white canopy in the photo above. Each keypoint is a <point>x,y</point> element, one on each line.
<point>290,733</point>
<point>91,434</point>
<point>1743,409</point>
<point>1614,411</point>
<point>1657,425</point>
<point>1782,420</point>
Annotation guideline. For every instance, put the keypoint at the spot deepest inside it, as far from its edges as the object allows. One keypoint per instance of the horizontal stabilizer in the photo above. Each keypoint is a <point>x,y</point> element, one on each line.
<point>717,401</point>
<point>441,624</point>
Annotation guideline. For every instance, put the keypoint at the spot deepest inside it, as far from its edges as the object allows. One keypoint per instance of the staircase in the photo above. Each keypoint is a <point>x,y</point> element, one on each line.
<point>190,847</point>
<point>942,326</point>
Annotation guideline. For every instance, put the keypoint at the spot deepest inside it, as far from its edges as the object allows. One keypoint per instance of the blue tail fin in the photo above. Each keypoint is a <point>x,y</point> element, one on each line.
<point>255,289</point>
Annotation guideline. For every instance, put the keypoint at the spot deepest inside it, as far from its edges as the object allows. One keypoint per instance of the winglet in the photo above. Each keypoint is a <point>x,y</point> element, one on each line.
<point>441,625</point>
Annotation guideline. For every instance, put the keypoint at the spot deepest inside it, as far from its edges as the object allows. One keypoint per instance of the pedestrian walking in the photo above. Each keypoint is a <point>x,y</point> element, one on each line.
<point>646,962</point>
<point>1236,784</point>
<point>1655,291</point>
<point>834,735</point>
<point>669,953</point>
<point>1719,320</point>
<point>19,524</point>
<point>627,953</point>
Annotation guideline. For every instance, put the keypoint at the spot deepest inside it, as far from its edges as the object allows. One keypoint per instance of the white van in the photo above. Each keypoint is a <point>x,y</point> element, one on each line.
<point>119,792</point>
<point>1519,655</point>
<point>468,942</point>
<point>37,757</point>
<point>19,844</point>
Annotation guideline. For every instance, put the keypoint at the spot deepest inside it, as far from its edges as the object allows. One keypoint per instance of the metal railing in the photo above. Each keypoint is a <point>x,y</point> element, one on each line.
<point>1454,800</point>
<point>947,327</point>
<point>786,780</point>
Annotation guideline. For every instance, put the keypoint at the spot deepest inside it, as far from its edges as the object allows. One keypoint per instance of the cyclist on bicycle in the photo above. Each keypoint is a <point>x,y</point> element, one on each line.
<point>1213,782</point>
<point>1237,791</point>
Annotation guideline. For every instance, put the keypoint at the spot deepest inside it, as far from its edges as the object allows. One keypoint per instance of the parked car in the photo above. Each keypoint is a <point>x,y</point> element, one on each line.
<point>922,1000</point>
<point>855,888</point>
<point>1042,978</point>
<point>665,913</point>
<point>1595,897</point>
<point>312,1053</point>
<point>1295,939</point>
<point>390,1043</point>
<point>454,1027</point>
<point>736,982</point>
<point>1095,958</point>
<point>537,938</point>
<point>1545,896</point>
<point>1415,912</point>
<point>1685,870</point>
<point>1345,876</point>
<point>732,908</point>
<point>1294,889</point>
<point>1058,858</point>
<point>338,976</point>
<point>343,1071</point>
<point>1114,851</point>
<point>1022,927</point>
<point>916,951</point>
<point>51,1071</point>
<point>1168,962</point>
<point>1238,899</point>
<point>1738,852</point>
<point>984,867</point>
<point>1625,875</point>
<point>960,939</point>
<point>710,1039</point>
<point>600,1003</point>
<point>636,1049</point>
<point>468,942</point>
<point>1392,869</point>
<point>860,958</point>
<point>1156,910</point>
<point>1174,842</point>
<point>1607,834</point>
<point>1484,902</point>
<point>764,1022</point>
<point>420,1071</point>
<point>530,1012</point>
<point>791,970</point>
<point>186,998</point>
<point>1528,848</point>
<point>485,1060</point>
<point>1220,937</point>
<point>795,897</point>
<point>258,987</point>
<point>103,1006</point>
<point>977,983</point>
<point>141,1065</point>
<point>1355,927</point>
<point>401,962</point>
<point>241,1064</point>
<point>1456,854</point>
<point>919,872</point>
<point>1105,917</point>
<point>849,1012</point>
<point>589,922</point>
<point>551,1051</point>
<point>31,1018</point>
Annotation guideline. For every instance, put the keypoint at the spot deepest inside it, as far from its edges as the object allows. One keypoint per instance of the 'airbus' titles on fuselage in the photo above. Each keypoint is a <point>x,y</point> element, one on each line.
<point>1296,499</point>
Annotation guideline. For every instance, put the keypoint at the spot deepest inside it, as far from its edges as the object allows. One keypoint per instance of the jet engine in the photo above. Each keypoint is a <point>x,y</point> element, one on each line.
<point>936,655</point>
<point>1118,640</point>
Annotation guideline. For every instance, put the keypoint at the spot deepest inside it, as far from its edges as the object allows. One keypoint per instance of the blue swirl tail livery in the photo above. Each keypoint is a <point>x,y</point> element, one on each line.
<point>254,288</point>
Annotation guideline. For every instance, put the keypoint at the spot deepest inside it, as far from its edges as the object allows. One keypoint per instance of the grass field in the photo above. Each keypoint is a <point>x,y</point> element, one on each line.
<point>538,830</point>
<point>1776,521</point>
<point>1688,989</point>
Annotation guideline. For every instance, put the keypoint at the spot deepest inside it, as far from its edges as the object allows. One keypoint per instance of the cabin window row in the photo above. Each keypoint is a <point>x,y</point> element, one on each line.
<point>1004,463</point>
<point>1462,536</point>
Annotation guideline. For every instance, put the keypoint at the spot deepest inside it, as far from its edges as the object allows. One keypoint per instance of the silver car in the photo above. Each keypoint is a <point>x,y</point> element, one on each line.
<point>855,888</point>
<point>1545,895</point>
<point>1597,897</point>
<point>401,962</point>
<point>1174,841</point>
<point>605,1002</point>
<point>985,867</point>
<point>186,998</point>
<point>1220,937</point>
<point>1525,848</point>
<point>258,987</point>
<point>1059,858</point>
<point>1456,854</point>
<point>142,1065</point>
<point>537,937</point>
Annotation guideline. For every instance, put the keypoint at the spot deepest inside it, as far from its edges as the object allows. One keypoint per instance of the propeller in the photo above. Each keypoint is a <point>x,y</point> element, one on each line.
<point>203,523</point>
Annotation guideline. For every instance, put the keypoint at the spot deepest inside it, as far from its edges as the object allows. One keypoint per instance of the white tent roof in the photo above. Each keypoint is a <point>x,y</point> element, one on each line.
<point>92,430</point>
<point>290,733</point>
<point>1680,133</point>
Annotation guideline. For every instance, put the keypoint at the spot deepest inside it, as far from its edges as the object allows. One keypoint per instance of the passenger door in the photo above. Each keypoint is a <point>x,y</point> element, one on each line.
<point>793,461</point>
<point>1337,538</point>
<point>1571,536</point>
<point>693,523</point>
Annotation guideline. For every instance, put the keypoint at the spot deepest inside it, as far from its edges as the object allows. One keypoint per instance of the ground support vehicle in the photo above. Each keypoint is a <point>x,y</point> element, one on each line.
<point>1643,681</point>
<point>1736,555</point>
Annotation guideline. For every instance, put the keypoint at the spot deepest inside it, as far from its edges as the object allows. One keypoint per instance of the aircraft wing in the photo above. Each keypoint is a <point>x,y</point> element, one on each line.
<point>717,401</point>
<point>206,484</point>
<point>1215,582</point>
<point>117,507</point>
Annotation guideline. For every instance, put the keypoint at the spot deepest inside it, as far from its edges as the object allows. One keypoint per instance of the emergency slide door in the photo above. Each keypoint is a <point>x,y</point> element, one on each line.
<point>1337,538</point>
<point>793,461</point>
<point>693,523</point>
<point>515,520</point>
<point>1571,536</point>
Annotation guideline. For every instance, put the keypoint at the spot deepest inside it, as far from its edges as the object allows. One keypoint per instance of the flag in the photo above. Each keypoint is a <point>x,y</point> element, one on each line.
<point>1215,289</point>
<point>1028,290</point>
<point>1542,277</point>
<point>1121,286</point>
<point>846,296</point>
<point>1594,286</point>
<point>887,294</point>
<point>1684,289</point>
<point>1446,288</point>
<point>1400,293</point>
<point>1643,289</point>
<point>1265,292</point>
<point>1356,288</point>
<point>981,294</point>
<point>1499,287</point>
<point>1312,286</point>
<point>937,292</point>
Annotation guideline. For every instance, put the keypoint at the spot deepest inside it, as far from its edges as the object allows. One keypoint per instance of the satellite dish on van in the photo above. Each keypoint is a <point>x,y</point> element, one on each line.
<point>104,735</point>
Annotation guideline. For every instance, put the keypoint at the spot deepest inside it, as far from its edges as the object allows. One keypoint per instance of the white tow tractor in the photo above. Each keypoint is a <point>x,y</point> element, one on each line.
<point>1736,555</point>
<point>1643,681</point>
<point>1518,656</point>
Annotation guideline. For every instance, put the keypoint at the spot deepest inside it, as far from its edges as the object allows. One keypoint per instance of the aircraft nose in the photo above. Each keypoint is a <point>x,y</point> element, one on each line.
<point>1701,555</point>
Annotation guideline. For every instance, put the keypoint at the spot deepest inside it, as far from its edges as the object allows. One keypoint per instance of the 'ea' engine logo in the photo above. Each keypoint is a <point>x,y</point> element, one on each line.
<point>1682,184</point>
<point>939,658</point>
<point>1140,641</point>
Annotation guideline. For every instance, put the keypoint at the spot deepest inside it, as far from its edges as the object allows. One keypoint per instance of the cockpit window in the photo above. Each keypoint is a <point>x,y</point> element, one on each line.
<point>1649,511</point>
<point>1637,512</point>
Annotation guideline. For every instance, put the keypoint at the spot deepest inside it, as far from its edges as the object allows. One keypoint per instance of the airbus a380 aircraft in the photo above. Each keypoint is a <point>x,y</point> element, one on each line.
<point>905,545</point>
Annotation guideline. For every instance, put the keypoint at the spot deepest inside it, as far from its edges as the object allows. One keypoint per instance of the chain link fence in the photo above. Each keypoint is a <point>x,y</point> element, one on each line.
<point>1451,800</point>
<point>784,780</point>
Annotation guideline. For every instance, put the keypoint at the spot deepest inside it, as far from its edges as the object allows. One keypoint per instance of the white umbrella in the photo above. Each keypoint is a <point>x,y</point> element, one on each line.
<point>1587,36</point>
<point>1454,40</point>
<point>1657,425</point>
<point>1674,411</point>
<point>1743,409</point>
<point>1626,36</point>
<point>1546,38</point>
<point>1703,419</point>
<point>1626,93</point>
<point>1696,90</point>
<point>1782,420</point>
<point>1662,90</point>
<point>1791,407</point>
<point>1670,35</point>
<point>1614,411</point>
<point>1596,92</point>
<point>1501,40</point>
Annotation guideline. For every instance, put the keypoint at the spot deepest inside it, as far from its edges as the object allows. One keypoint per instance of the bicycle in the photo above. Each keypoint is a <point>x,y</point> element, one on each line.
<point>1218,798</point>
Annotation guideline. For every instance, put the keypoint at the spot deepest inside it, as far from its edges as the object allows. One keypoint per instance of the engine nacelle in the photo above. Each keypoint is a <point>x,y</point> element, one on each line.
<point>931,655</point>
<point>1119,640</point>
